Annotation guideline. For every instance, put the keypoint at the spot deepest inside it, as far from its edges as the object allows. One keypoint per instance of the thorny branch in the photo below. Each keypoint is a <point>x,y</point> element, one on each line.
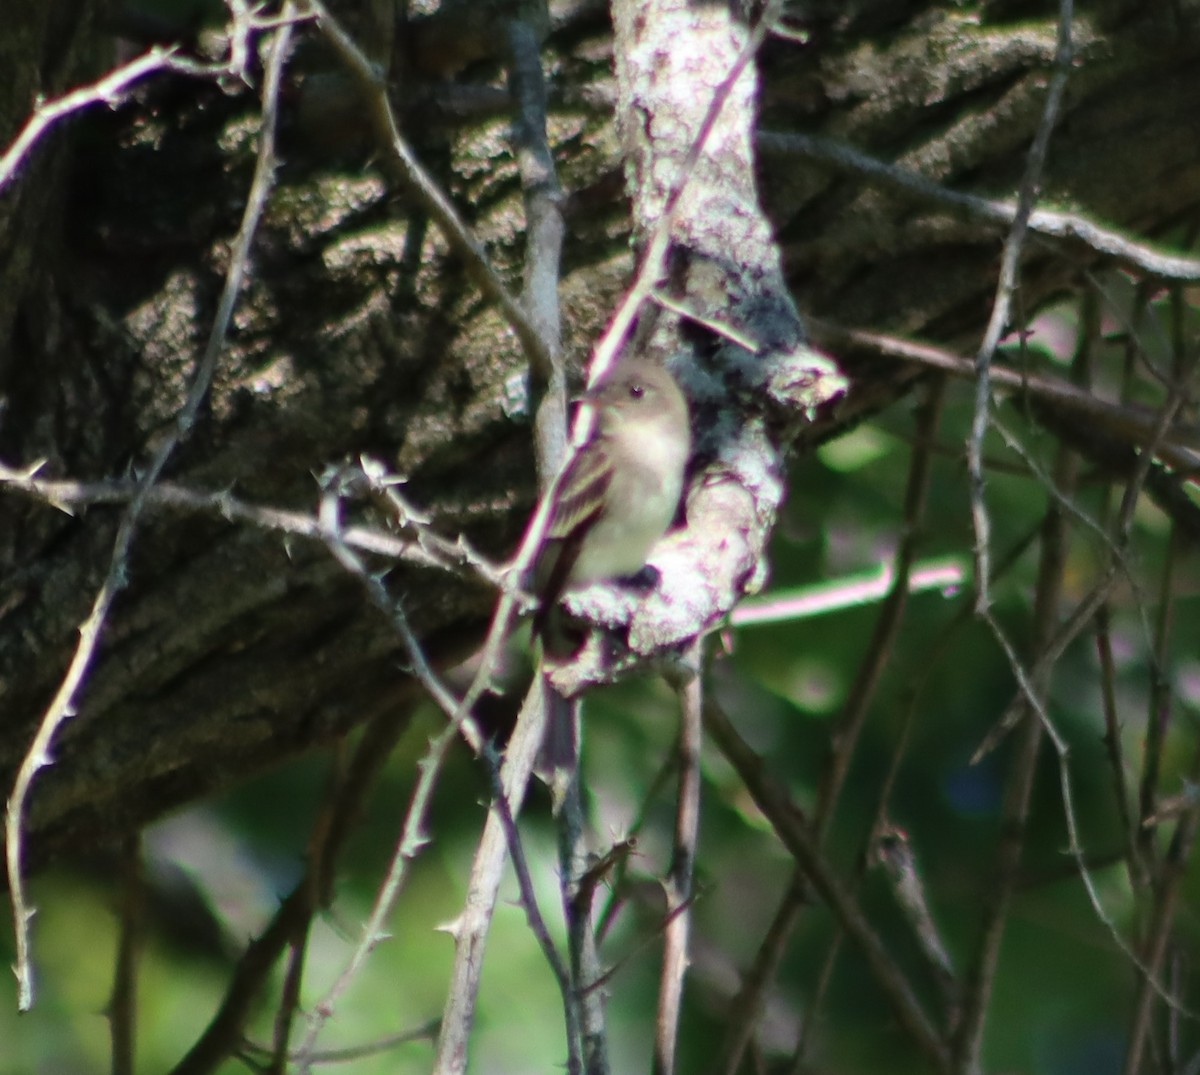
<point>545,230</point>
<point>107,90</point>
<point>412,836</point>
<point>427,549</point>
<point>62,708</point>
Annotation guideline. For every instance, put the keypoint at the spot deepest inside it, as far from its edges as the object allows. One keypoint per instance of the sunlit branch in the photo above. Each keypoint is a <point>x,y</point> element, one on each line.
<point>945,575</point>
<point>1047,223</point>
<point>429,549</point>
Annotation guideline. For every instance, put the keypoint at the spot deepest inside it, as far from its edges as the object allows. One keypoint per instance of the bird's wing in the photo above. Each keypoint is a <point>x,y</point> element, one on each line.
<point>581,492</point>
<point>578,499</point>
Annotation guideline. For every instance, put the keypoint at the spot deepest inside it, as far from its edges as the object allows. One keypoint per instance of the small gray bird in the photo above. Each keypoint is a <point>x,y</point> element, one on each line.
<point>621,491</point>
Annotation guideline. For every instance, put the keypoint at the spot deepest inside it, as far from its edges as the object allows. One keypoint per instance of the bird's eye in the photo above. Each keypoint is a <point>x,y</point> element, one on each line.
<point>636,391</point>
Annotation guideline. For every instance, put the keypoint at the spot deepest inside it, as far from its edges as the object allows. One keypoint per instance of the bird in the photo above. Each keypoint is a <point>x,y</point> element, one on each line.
<point>620,491</point>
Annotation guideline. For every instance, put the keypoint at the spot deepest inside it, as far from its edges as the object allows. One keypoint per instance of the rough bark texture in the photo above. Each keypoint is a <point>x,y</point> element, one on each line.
<point>232,649</point>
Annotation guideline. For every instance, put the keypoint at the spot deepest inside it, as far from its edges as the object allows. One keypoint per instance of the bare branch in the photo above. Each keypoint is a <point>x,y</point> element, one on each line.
<point>471,926</point>
<point>107,90</point>
<point>404,164</point>
<point>998,322</point>
<point>533,915</point>
<point>430,549</point>
<point>587,1002</point>
<point>224,1034</point>
<point>901,579</point>
<point>62,708</point>
<point>425,1032</point>
<point>678,883</point>
<point>1125,423</point>
<point>794,831</point>
<point>1047,223</point>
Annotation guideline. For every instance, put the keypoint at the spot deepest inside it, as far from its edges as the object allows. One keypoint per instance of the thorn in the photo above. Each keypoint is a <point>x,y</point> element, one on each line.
<point>62,506</point>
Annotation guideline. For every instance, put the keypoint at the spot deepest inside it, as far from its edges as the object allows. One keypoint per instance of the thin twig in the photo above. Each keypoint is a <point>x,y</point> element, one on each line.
<point>412,840</point>
<point>1128,424</point>
<point>979,983</point>
<point>1165,887</point>
<point>544,231</point>
<point>404,164</point>
<point>471,926</point>
<point>429,549</point>
<point>747,1007</point>
<point>968,1040</point>
<point>110,88</point>
<point>1081,616</point>
<point>950,633</point>
<point>892,850</point>
<point>425,1032</point>
<point>1071,227</point>
<point>543,251</point>
<point>612,907</point>
<point>901,581</point>
<point>577,908</point>
<point>848,726</point>
<point>797,836</point>
<point>513,778</point>
<point>224,1034</point>
<point>289,999</point>
<point>107,90</point>
<point>808,1028</point>
<point>63,706</point>
<point>1076,623</point>
<point>584,1015</point>
<point>1005,286</point>
<point>678,882</point>
<point>1089,338</point>
<point>650,938</point>
<point>412,836</point>
<point>1032,689</point>
<point>1159,715</point>
<point>718,328</point>
<point>1113,748</point>
<point>533,914</point>
<point>1169,884</point>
